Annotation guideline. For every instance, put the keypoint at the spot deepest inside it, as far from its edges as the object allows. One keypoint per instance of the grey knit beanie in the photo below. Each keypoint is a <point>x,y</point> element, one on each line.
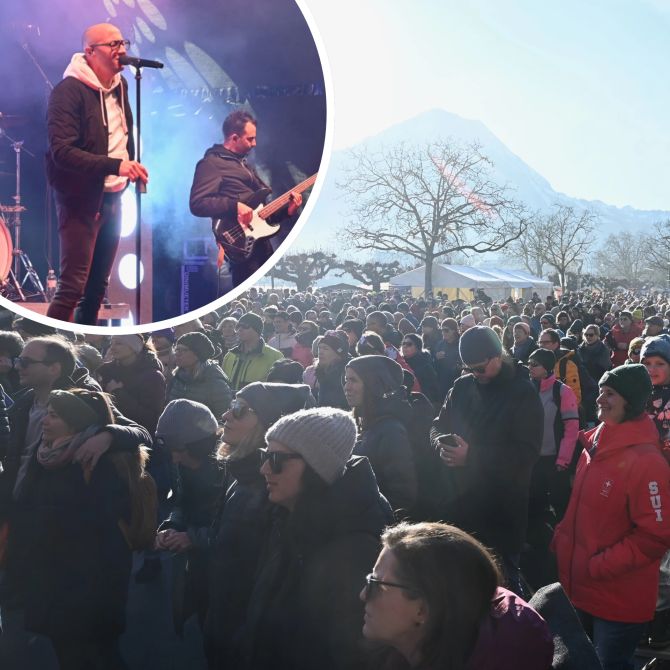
<point>184,422</point>
<point>323,436</point>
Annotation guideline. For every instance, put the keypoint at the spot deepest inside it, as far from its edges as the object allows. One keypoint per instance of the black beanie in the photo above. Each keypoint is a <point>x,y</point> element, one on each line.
<point>479,343</point>
<point>199,344</point>
<point>545,358</point>
<point>379,373</point>
<point>633,383</point>
<point>270,401</point>
<point>252,320</point>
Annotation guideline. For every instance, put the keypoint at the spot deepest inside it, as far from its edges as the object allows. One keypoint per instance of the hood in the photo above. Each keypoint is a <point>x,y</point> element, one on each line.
<point>641,430</point>
<point>81,70</point>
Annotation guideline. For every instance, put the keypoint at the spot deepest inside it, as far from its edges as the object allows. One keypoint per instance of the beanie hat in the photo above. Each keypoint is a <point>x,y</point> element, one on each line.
<point>548,316</point>
<point>545,358</point>
<point>468,320</point>
<point>199,344</point>
<point>479,343</point>
<point>79,410</point>
<point>355,325</point>
<point>430,321</point>
<point>134,342</point>
<point>323,436</point>
<point>654,321</point>
<point>184,422</point>
<point>270,401</point>
<point>337,340</point>
<point>523,325</point>
<point>167,333</point>
<point>251,320</point>
<point>633,383</point>
<point>380,374</point>
<point>657,346</point>
<point>636,343</point>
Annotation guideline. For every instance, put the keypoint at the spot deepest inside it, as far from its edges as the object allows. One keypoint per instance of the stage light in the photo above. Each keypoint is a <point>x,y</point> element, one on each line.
<point>127,271</point>
<point>128,212</point>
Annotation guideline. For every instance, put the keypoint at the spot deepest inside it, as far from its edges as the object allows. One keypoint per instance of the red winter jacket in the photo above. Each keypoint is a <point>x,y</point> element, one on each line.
<point>617,526</point>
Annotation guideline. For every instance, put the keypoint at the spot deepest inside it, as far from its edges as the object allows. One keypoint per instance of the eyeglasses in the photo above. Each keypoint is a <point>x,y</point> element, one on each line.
<point>372,585</point>
<point>114,44</point>
<point>239,410</point>
<point>276,459</point>
<point>25,362</point>
<point>478,369</point>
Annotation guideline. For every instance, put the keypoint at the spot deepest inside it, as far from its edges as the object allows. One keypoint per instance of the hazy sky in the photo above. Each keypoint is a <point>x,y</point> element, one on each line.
<point>579,89</point>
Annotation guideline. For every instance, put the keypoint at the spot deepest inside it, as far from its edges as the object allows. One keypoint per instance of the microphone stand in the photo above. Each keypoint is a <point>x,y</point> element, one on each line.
<point>140,188</point>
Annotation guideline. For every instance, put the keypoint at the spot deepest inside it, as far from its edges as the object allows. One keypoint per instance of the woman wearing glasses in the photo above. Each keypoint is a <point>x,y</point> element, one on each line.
<point>434,601</point>
<point>594,352</point>
<point>241,521</point>
<point>373,386</point>
<point>304,612</point>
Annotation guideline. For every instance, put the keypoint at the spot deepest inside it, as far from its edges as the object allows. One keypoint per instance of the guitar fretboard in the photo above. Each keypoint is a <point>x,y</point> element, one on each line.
<point>277,204</point>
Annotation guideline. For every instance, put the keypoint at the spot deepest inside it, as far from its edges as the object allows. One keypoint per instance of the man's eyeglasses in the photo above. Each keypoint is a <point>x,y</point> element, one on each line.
<point>25,362</point>
<point>372,585</point>
<point>239,410</point>
<point>478,369</point>
<point>114,44</point>
<point>276,459</point>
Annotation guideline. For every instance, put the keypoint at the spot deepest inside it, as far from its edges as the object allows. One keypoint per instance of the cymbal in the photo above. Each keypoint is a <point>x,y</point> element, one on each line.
<point>10,120</point>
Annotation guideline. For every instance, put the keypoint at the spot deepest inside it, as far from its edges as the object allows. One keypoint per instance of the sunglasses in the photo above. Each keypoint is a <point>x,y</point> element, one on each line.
<point>372,586</point>
<point>238,409</point>
<point>276,459</point>
<point>478,369</point>
<point>25,362</point>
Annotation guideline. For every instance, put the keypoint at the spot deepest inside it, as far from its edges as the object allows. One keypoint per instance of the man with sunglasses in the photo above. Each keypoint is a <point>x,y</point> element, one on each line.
<point>89,163</point>
<point>488,435</point>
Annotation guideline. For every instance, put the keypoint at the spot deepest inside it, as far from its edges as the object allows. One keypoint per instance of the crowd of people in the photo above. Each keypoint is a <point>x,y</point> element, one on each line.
<point>349,480</point>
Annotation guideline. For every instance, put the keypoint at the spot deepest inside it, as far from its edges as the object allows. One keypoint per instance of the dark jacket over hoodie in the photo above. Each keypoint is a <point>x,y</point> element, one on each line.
<point>305,612</point>
<point>76,159</point>
<point>502,422</point>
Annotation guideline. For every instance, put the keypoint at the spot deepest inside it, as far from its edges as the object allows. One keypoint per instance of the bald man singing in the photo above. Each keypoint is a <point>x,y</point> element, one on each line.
<point>89,164</point>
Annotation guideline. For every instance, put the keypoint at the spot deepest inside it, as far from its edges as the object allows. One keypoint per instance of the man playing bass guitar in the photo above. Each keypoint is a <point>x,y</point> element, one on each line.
<point>223,189</point>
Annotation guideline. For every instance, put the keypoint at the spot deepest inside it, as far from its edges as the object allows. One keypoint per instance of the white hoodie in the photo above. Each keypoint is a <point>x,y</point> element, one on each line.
<point>113,115</point>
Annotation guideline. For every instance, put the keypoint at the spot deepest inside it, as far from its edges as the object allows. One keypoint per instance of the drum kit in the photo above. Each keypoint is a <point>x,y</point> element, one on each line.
<point>18,278</point>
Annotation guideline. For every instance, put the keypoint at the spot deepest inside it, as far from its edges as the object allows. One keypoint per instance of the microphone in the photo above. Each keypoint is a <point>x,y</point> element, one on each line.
<point>139,62</point>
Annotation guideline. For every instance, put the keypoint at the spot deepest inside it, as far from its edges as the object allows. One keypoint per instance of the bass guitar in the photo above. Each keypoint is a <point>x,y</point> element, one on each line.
<point>238,241</point>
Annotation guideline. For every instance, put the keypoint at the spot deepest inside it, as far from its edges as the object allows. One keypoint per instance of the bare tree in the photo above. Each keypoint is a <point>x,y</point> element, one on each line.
<point>530,247</point>
<point>624,256</point>
<point>373,273</point>
<point>303,269</point>
<point>428,202</point>
<point>568,235</point>
<point>657,250</point>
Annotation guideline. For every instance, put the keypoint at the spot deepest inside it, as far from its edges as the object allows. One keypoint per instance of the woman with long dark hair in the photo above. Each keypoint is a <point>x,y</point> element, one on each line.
<point>434,600</point>
<point>304,612</point>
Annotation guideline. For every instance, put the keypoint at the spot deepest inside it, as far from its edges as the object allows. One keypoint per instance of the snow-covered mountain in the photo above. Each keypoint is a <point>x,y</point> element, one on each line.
<point>329,214</point>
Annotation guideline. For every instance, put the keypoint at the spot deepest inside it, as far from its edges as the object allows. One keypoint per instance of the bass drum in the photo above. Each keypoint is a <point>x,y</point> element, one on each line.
<point>6,249</point>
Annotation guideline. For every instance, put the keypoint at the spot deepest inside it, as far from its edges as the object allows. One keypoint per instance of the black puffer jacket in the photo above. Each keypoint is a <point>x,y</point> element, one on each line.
<point>305,612</point>
<point>502,422</point>
<point>424,371</point>
<point>385,442</point>
<point>329,391</point>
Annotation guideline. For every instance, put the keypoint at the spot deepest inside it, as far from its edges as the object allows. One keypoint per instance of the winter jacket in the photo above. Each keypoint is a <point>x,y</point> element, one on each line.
<point>304,612</point>
<point>385,442</point>
<point>617,525</point>
<point>502,422</point>
<point>560,443</point>
<point>571,376</point>
<point>615,337</point>
<point>596,358</point>
<point>76,563</point>
<point>240,528</point>
<point>284,342</point>
<point>521,352</point>
<point>209,386</point>
<point>76,160</point>
<point>142,396</point>
<point>423,369</point>
<point>329,390</point>
<point>244,367</point>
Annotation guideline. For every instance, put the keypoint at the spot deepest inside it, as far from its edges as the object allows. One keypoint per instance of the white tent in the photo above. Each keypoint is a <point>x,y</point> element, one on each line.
<point>460,281</point>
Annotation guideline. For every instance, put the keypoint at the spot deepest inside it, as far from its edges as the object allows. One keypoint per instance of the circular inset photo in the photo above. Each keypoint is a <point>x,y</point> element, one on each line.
<point>154,155</point>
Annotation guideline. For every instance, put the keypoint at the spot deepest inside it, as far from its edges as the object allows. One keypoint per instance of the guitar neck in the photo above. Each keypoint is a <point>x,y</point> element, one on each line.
<point>282,200</point>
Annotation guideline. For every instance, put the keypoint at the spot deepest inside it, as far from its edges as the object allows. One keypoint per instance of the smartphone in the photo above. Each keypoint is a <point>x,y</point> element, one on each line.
<point>449,440</point>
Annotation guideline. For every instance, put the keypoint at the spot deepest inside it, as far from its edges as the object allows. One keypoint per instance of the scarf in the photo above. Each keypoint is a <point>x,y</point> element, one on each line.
<point>61,452</point>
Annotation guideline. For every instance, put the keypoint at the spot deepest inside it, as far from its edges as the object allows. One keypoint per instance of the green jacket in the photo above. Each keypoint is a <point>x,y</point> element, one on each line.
<point>242,368</point>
